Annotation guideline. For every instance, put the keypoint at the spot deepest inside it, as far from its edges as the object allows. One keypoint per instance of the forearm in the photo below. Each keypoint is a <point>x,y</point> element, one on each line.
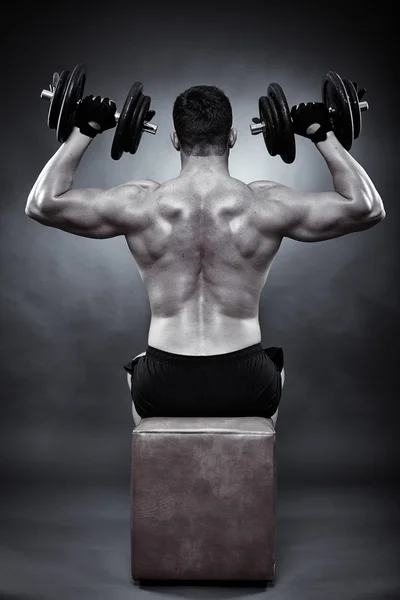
<point>349,178</point>
<point>57,177</point>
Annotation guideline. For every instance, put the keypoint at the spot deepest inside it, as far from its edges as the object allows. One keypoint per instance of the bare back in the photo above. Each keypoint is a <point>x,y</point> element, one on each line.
<point>204,242</point>
<point>204,263</point>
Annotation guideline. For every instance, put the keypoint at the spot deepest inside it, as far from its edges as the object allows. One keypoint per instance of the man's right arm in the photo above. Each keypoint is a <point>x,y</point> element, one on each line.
<point>354,205</point>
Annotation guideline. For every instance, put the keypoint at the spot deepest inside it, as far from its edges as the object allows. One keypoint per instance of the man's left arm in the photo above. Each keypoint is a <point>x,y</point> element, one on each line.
<point>93,213</point>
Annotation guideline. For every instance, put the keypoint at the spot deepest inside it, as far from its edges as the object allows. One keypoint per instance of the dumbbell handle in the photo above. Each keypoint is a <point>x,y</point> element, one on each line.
<point>256,128</point>
<point>147,127</point>
<point>363,106</point>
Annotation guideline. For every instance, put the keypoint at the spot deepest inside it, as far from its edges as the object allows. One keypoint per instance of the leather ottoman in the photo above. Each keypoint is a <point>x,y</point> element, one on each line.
<point>203,499</point>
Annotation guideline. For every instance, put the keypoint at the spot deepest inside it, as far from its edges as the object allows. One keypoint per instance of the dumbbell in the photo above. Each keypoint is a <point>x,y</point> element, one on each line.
<point>65,93</point>
<point>342,97</point>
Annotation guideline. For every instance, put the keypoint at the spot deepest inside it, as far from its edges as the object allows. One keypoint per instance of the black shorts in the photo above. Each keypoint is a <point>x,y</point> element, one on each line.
<point>246,382</point>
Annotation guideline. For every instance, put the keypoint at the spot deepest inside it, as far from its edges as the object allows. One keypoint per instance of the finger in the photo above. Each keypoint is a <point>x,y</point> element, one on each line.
<point>109,103</point>
<point>56,78</point>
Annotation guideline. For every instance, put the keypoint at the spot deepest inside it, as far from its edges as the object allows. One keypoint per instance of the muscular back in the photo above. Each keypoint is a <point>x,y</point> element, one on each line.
<point>204,263</point>
<point>204,242</point>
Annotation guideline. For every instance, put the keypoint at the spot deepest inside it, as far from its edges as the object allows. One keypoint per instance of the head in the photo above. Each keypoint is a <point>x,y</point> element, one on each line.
<point>203,122</point>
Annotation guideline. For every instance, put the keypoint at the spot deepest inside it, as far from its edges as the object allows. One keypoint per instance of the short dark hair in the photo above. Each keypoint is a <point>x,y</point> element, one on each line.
<point>202,118</point>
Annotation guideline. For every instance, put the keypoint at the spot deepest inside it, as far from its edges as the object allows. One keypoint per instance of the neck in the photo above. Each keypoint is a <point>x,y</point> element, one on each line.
<point>193,164</point>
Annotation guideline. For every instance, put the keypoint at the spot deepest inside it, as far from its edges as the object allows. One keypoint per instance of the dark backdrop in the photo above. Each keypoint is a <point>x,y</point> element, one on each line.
<point>74,310</point>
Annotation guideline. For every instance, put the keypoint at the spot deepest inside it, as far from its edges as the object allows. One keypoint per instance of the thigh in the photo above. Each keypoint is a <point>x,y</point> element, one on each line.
<point>130,368</point>
<point>274,417</point>
<point>275,353</point>
<point>268,375</point>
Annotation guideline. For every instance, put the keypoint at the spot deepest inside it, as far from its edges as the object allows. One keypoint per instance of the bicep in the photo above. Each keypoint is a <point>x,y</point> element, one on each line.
<point>315,217</point>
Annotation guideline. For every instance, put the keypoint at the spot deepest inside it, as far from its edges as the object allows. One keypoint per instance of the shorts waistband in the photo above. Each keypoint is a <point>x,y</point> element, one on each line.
<point>204,359</point>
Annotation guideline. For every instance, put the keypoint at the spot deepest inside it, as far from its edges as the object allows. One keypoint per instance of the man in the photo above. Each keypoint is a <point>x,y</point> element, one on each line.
<point>204,243</point>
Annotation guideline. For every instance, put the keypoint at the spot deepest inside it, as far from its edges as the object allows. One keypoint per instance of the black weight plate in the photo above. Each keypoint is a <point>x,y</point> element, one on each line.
<point>267,118</point>
<point>56,101</point>
<point>121,135</point>
<point>142,108</point>
<point>335,97</point>
<point>355,107</point>
<point>133,130</point>
<point>286,140</point>
<point>276,123</point>
<point>73,93</point>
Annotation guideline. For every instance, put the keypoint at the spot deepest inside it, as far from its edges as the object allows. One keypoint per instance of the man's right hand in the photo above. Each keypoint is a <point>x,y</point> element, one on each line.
<point>311,120</point>
<point>95,115</point>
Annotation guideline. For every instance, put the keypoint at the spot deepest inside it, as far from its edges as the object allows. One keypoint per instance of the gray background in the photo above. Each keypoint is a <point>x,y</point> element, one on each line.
<point>74,310</point>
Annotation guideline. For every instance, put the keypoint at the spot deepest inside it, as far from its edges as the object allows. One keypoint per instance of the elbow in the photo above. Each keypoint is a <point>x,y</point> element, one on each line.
<point>377,213</point>
<point>37,207</point>
<point>382,215</point>
<point>34,212</point>
<point>32,209</point>
<point>374,217</point>
<point>369,208</point>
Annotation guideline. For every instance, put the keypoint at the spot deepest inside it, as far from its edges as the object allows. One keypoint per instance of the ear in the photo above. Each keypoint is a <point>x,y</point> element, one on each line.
<point>232,137</point>
<point>175,141</point>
